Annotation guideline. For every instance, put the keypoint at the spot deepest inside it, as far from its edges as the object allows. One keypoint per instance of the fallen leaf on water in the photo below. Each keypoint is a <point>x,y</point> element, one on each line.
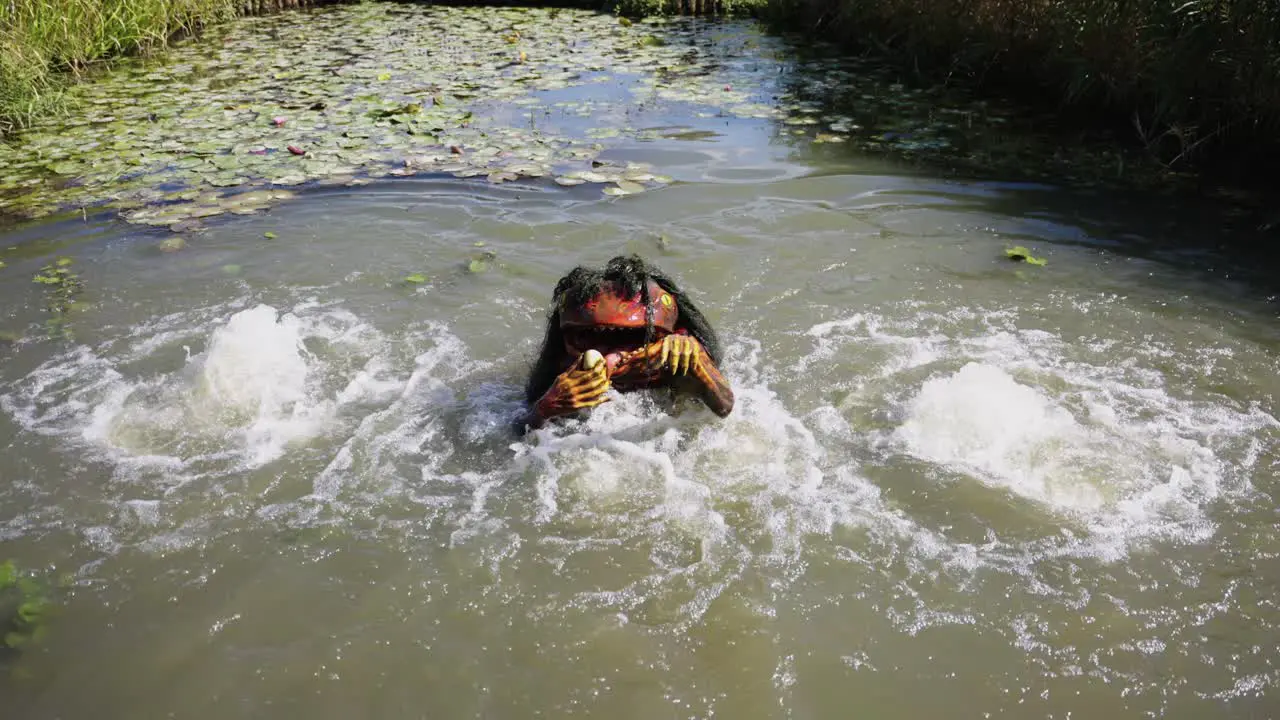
<point>297,150</point>
<point>172,244</point>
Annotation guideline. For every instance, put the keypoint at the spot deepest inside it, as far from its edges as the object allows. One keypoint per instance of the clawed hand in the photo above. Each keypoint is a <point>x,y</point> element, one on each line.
<point>575,389</point>
<point>579,387</point>
<point>684,357</point>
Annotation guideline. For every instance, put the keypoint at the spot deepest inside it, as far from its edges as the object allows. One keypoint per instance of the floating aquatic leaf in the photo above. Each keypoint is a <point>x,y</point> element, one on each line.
<point>232,269</point>
<point>1021,254</point>
<point>415,278</point>
<point>269,235</point>
<point>569,181</point>
<point>406,109</point>
<point>66,168</point>
<point>172,244</point>
<point>629,187</point>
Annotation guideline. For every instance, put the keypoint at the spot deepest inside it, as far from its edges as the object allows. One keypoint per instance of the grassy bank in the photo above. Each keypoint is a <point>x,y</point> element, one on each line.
<point>1197,82</point>
<point>45,43</point>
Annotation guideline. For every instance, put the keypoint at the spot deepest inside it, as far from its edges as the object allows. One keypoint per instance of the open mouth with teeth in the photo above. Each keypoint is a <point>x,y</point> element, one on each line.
<point>618,326</point>
<point>614,343</point>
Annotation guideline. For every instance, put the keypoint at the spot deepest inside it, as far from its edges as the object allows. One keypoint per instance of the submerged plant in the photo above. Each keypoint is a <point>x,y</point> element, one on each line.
<point>25,607</point>
<point>62,286</point>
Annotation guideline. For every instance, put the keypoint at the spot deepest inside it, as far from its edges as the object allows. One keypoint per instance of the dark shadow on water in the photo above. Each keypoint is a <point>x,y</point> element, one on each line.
<point>846,111</point>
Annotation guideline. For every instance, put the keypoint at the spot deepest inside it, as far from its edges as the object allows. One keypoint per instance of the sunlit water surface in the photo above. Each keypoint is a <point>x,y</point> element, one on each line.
<point>284,483</point>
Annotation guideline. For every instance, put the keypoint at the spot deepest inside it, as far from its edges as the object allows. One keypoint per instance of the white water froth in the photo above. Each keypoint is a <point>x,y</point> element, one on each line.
<point>1120,449</point>
<point>982,420</point>
<point>254,391</point>
<point>671,506</point>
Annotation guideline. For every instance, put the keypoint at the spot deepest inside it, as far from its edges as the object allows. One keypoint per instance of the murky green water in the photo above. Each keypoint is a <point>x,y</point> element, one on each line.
<point>280,482</point>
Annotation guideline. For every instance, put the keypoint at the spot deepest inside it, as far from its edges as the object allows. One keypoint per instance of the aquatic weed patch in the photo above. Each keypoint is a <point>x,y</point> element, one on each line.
<point>365,90</point>
<point>244,117</point>
<point>62,286</point>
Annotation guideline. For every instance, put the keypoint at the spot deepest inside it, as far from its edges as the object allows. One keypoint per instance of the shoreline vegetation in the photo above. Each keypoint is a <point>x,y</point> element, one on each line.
<point>1195,84</point>
<point>47,44</point>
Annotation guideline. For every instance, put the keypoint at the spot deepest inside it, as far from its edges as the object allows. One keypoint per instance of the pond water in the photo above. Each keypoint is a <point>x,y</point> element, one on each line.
<point>271,474</point>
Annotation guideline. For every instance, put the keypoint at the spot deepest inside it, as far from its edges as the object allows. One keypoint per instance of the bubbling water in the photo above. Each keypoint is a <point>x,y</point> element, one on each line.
<point>646,509</point>
<point>255,391</point>
<point>1122,451</point>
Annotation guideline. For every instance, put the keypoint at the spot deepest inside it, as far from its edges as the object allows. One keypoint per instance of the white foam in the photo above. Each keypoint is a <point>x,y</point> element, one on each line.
<point>242,402</point>
<point>982,420</point>
<point>1099,436</point>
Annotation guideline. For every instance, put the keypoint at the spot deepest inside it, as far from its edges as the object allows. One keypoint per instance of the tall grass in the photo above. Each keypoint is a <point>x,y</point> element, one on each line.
<point>1184,77</point>
<point>45,43</point>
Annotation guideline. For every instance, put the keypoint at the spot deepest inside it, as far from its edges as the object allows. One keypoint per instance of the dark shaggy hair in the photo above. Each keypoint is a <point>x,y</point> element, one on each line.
<point>628,275</point>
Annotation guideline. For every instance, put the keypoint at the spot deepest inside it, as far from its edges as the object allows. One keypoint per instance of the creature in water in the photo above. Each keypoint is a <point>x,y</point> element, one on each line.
<point>628,327</point>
